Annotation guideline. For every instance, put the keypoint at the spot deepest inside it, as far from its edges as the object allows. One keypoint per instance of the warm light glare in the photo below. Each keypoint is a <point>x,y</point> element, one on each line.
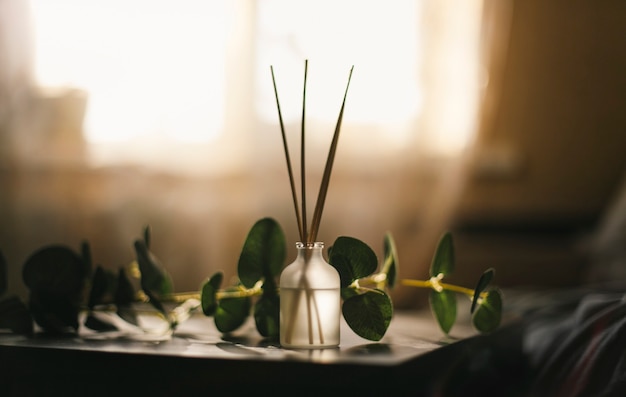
<point>454,76</point>
<point>380,38</point>
<point>158,72</point>
<point>152,68</point>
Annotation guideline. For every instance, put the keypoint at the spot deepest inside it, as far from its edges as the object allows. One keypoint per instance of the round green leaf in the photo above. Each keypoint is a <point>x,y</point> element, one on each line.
<point>353,259</point>
<point>263,254</point>
<point>14,315</point>
<point>55,313</point>
<point>56,276</point>
<point>154,279</point>
<point>208,293</point>
<point>124,291</point>
<point>267,315</point>
<point>443,260</point>
<point>99,286</point>
<point>85,252</point>
<point>482,283</point>
<point>443,306</point>
<point>123,297</point>
<point>146,236</point>
<point>155,301</point>
<point>231,313</point>
<point>368,314</point>
<point>128,314</point>
<point>348,292</point>
<point>489,313</point>
<point>391,260</point>
<point>55,269</point>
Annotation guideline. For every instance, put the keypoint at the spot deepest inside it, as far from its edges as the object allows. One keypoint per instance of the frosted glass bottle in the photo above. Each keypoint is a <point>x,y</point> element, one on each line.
<point>310,301</point>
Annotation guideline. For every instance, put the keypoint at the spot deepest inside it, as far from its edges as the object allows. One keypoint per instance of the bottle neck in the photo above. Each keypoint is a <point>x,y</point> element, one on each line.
<point>310,250</point>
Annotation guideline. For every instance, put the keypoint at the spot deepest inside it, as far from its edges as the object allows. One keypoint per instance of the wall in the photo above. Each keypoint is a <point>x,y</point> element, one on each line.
<point>552,153</point>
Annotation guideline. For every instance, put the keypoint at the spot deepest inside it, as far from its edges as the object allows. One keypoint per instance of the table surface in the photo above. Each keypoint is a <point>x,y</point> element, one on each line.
<point>199,358</point>
<point>409,335</point>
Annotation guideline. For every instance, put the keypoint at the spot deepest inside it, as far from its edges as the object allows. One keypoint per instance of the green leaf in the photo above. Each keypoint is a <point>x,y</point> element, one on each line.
<point>128,314</point>
<point>55,269</point>
<point>443,306</point>
<point>4,268</point>
<point>348,292</point>
<point>14,315</point>
<point>368,314</point>
<point>483,282</point>
<point>231,313</point>
<point>267,315</point>
<point>123,297</point>
<point>99,284</point>
<point>147,238</point>
<point>390,265</point>
<point>155,281</point>
<point>208,295</point>
<point>155,301</point>
<point>263,254</point>
<point>489,314</point>
<point>154,278</point>
<point>55,313</point>
<point>124,291</point>
<point>443,260</point>
<point>353,259</point>
<point>55,275</point>
<point>85,253</point>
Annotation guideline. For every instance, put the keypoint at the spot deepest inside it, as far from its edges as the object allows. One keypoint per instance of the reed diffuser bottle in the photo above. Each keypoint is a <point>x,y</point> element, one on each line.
<point>310,306</point>
<point>310,288</point>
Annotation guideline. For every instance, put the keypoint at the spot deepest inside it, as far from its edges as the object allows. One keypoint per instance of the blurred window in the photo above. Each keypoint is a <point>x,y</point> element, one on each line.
<point>160,72</point>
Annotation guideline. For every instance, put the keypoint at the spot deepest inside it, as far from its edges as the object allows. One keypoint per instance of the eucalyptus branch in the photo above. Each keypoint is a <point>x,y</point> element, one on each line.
<point>366,306</point>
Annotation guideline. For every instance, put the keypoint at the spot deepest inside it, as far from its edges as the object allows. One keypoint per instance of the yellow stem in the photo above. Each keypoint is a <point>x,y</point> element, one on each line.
<point>450,287</point>
<point>417,283</point>
<point>467,291</point>
<point>241,292</point>
<point>180,297</point>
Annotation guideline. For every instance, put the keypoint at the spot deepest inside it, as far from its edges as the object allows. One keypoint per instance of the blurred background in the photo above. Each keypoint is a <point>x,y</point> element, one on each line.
<point>500,120</point>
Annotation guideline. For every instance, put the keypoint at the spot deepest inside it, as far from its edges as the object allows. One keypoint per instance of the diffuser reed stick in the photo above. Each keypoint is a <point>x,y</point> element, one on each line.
<point>321,198</point>
<point>288,158</point>
<point>302,157</point>
<point>301,218</point>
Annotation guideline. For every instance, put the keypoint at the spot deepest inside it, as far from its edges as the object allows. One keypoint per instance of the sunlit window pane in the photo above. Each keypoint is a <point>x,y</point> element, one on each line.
<point>380,38</point>
<point>162,72</point>
<point>152,68</point>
